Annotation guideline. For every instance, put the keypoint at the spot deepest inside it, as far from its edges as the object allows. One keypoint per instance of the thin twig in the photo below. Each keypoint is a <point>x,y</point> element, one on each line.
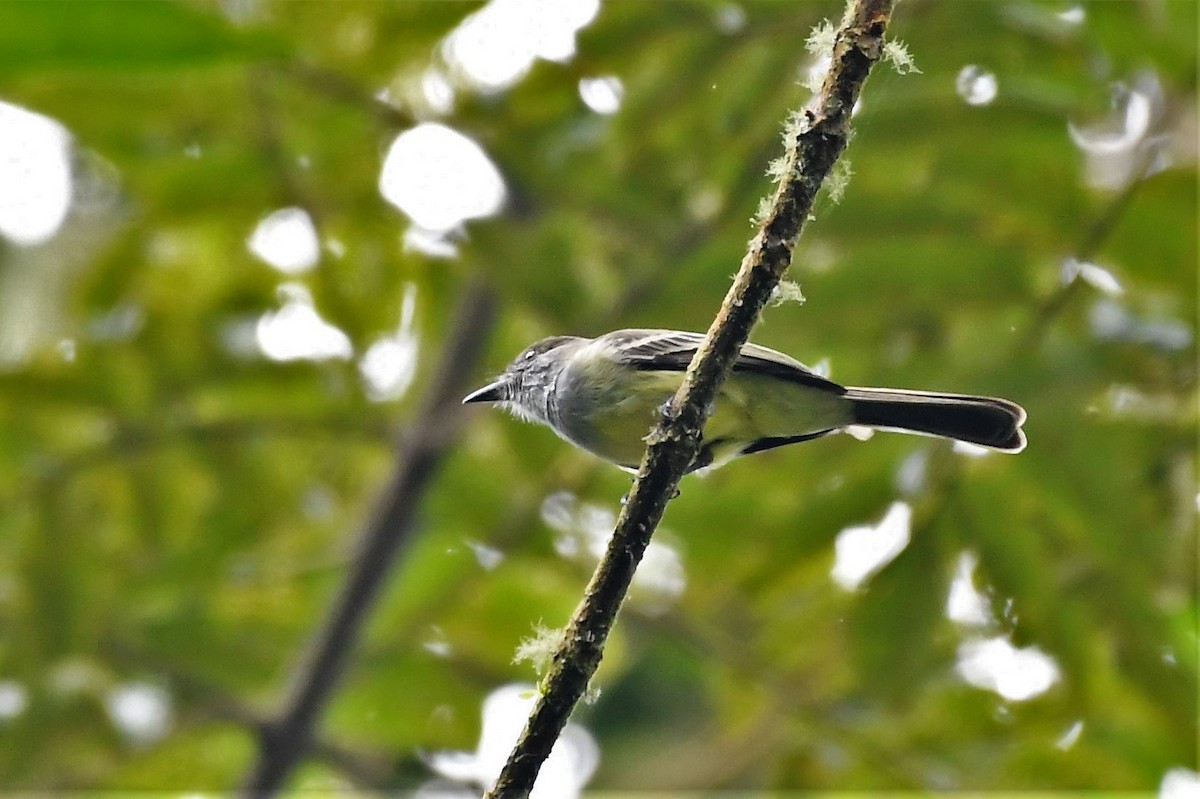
<point>343,89</point>
<point>814,142</point>
<point>285,741</point>
<point>1051,306</point>
<point>214,701</point>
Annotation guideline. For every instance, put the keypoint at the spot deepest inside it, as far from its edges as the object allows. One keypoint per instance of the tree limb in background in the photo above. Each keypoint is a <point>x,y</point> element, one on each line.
<point>285,741</point>
<point>1053,304</point>
<point>362,768</point>
<point>814,140</point>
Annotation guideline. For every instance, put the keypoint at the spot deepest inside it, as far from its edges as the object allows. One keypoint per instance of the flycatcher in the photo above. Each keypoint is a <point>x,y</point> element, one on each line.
<point>605,394</point>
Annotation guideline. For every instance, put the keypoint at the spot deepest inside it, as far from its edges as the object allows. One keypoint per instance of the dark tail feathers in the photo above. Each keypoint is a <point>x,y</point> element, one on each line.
<point>986,421</point>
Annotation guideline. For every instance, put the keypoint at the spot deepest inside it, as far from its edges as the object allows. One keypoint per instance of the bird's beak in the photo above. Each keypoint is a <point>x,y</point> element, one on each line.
<point>492,392</point>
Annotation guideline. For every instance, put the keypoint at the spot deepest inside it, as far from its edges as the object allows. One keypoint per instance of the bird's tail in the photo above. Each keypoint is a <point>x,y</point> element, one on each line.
<point>986,421</point>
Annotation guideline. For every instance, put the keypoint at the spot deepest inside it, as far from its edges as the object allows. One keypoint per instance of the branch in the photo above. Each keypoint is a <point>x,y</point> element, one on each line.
<point>814,141</point>
<point>213,701</point>
<point>344,90</point>
<point>285,741</point>
<point>1051,306</point>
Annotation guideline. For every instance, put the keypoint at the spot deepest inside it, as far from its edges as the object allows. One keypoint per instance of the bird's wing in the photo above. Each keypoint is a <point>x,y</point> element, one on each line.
<point>672,350</point>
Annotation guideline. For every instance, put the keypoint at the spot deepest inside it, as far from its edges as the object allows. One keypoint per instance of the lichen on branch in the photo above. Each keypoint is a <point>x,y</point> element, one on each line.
<point>814,138</point>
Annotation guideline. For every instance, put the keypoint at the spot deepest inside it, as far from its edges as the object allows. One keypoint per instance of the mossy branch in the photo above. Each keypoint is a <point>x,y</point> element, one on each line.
<point>814,139</point>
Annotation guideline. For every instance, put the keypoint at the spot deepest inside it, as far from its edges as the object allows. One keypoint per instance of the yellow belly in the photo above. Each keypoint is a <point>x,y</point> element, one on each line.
<point>612,413</point>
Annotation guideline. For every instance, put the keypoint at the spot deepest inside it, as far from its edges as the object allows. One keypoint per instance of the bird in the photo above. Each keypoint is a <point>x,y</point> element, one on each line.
<point>604,395</point>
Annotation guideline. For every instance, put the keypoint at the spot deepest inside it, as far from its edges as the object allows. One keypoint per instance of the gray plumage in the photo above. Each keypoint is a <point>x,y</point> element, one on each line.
<point>605,394</point>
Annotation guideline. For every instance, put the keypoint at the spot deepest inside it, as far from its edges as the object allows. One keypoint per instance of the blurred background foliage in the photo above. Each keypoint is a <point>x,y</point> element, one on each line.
<point>180,505</point>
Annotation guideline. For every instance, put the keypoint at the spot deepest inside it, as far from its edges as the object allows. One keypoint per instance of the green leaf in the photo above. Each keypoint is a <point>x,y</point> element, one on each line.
<point>120,35</point>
